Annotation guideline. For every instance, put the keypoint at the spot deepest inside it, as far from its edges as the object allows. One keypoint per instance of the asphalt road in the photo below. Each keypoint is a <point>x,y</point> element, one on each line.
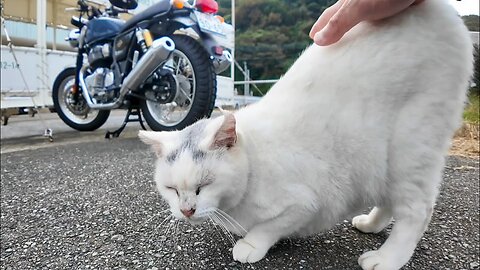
<point>92,204</point>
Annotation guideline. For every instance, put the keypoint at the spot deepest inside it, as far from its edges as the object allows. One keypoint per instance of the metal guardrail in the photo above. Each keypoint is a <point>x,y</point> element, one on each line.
<point>256,81</point>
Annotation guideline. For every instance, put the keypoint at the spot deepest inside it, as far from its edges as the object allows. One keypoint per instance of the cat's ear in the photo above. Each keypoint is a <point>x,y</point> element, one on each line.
<point>153,139</point>
<point>226,134</point>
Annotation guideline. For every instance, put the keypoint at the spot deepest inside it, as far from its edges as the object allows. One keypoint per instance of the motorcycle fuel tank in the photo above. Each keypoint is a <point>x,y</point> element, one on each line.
<point>103,28</point>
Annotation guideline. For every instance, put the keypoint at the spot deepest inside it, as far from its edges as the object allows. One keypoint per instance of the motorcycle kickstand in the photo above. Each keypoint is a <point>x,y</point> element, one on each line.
<point>131,111</point>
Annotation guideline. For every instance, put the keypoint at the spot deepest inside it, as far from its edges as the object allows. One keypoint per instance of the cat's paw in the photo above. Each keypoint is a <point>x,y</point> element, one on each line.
<point>375,260</point>
<point>366,224</point>
<point>246,252</point>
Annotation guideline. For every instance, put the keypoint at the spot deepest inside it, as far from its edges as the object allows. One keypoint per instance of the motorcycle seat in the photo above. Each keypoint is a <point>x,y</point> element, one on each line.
<point>157,9</point>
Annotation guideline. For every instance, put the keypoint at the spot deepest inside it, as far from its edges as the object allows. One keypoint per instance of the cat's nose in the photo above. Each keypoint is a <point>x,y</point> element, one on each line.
<point>188,213</point>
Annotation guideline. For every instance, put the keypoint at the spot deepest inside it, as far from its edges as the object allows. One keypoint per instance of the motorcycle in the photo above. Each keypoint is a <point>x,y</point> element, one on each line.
<point>161,63</point>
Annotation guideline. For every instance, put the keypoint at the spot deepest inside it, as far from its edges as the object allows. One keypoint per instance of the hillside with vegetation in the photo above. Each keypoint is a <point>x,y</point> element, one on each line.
<point>270,34</point>
<point>472,23</point>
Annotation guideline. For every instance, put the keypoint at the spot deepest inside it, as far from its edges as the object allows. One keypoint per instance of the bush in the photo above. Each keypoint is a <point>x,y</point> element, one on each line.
<point>472,111</point>
<point>476,70</point>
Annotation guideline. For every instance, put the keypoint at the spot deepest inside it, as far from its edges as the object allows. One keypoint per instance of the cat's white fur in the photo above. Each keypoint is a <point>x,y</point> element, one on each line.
<point>364,122</point>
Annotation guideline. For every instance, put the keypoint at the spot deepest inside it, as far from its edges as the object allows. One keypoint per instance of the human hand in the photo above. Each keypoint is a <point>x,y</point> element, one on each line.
<point>338,19</point>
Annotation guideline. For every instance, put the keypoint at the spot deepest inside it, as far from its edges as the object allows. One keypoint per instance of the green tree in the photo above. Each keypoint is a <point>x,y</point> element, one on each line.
<point>270,34</point>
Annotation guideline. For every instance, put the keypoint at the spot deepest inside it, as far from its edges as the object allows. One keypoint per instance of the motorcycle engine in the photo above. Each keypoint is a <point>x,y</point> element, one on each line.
<point>100,55</point>
<point>99,83</point>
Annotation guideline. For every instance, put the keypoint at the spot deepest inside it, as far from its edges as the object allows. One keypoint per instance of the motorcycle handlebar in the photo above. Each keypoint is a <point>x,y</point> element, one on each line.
<point>77,22</point>
<point>83,5</point>
<point>95,11</point>
<point>115,11</point>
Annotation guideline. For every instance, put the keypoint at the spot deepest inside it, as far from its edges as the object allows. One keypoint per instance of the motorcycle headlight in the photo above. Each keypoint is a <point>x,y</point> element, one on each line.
<point>73,38</point>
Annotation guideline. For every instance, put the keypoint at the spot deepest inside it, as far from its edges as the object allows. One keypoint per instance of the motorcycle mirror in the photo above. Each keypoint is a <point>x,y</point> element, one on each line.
<point>124,4</point>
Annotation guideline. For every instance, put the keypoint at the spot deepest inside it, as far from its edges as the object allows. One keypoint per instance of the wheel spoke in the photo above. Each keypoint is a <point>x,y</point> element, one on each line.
<point>186,95</point>
<point>178,66</point>
<point>171,114</point>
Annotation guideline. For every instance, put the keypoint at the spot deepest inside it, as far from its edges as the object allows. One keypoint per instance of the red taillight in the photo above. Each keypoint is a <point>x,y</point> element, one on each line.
<point>207,6</point>
<point>217,50</point>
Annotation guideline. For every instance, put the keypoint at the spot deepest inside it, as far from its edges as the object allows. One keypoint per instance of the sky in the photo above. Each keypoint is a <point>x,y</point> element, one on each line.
<point>466,7</point>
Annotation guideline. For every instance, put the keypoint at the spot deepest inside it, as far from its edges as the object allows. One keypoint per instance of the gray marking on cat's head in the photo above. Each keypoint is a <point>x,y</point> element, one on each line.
<point>191,138</point>
<point>172,156</point>
<point>198,155</point>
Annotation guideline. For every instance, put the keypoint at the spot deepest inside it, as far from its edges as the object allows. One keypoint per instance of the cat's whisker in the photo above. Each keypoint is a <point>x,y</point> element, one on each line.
<point>230,219</point>
<point>227,232</point>
<point>205,212</point>
<point>166,219</point>
<point>163,211</point>
<point>233,226</point>
<point>170,227</point>
<point>175,233</point>
<point>223,227</point>
<point>156,215</point>
<point>217,230</point>
<point>219,219</point>
<point>220,224</point>
<point>216,223</point>
<point>212,223</point>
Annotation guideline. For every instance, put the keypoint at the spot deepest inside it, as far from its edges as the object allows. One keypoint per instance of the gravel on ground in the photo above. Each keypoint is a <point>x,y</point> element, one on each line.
<point>93,205</point>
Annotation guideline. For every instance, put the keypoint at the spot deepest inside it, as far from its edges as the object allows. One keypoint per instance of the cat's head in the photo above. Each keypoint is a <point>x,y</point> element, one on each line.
<point>201,167</point>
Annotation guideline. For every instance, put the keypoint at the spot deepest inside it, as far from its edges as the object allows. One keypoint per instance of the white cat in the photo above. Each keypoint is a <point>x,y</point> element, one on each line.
<point>365,122</point>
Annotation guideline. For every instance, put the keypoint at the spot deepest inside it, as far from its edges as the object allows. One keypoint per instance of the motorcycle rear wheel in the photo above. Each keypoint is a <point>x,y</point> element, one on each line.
<point>76,115</point>
<point>192,102</point>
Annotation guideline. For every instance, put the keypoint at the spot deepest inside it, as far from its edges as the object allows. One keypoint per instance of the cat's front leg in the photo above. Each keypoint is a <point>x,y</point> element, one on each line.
<point>255,245</point>
<point>252,249</point>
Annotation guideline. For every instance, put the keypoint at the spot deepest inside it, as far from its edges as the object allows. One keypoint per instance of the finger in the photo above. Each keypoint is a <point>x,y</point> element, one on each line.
<point>324,18</point>
<point>345,19</point>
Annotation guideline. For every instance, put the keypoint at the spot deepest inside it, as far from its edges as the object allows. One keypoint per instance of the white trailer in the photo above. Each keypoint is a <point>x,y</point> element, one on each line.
<point>16,93</point>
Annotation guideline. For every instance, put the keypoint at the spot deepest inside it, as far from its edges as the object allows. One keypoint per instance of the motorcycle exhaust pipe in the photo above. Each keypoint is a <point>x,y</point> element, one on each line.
<point>157,53</point>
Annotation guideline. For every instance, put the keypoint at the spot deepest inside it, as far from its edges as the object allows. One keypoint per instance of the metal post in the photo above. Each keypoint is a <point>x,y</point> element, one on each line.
<point>232,67</point>
<point>42,49</point>
<point>246,86</point>
<point>249,92</point>
<point>54,28</point>
<point>54,42</point>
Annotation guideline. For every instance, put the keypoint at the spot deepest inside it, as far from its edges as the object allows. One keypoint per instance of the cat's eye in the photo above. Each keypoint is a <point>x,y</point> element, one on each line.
<point>172,188</point>
<point>200,187</point>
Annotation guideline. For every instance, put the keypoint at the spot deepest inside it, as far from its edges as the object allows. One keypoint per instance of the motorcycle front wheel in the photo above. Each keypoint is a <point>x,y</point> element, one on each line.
<point>196,89</point>
<point>77,115</point>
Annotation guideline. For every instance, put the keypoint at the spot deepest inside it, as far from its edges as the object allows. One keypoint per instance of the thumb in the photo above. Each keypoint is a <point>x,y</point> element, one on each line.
<point>337,26</point>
